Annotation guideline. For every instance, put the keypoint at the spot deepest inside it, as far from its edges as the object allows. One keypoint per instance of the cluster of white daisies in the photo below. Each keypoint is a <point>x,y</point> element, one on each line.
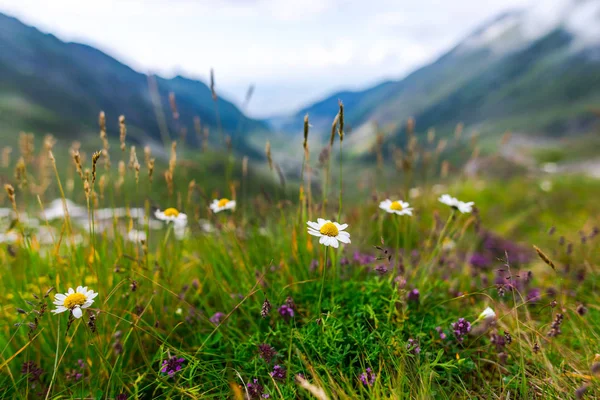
<point>331,233</point>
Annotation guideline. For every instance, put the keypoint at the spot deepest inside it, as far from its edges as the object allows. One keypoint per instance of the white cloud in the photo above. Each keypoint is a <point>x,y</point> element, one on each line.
<point>295,51</point>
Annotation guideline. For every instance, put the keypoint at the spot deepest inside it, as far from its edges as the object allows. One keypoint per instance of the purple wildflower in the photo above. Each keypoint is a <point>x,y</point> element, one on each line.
<point>440,332</point>
<point>400,282</point>
<point>217,318</point>
<point>414,295</point>
<point>413,346</point>
<point>479,260</point>
<point>279,373</point>
<point>461,328</point>
<point>534,295</point>
<point>255,389</point>
<point>122,396</point>
<point>266,352</point>
<point>286,312</point>
<point>363,259</point>
<point>172,365</point>
<point>368,377</point>
<point>32,371</point>
<point>381,269</point>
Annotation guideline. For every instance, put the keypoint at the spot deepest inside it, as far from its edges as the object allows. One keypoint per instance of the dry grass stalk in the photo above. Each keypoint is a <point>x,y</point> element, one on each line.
<point>341,121</point>
<point>6,151</point>
<point>430,135</point>
<point>205,139</point>
<point>410,126</point>
<point>169,180</point>
<point>305,144</point>
<point>78,163</point>
<point>103,135</point>
<point>268,152</point>
<point>458,130</point>
<point>445,169</point>
<point>213,92</point>
<point>173,105</point>
<point>245,166</point>
<point>122,132</point>
<point>316,391</point>
<point>333,129</point>
<point>173,158</point>
<point>95,158</point>
<point>544,257</point>
<point>150,169</point>
<point>191,189</point>
<point>21,172</point>
<point>10,191</point>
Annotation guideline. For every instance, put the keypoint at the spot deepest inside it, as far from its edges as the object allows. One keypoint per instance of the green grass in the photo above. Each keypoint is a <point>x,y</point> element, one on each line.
<point>156,300</point>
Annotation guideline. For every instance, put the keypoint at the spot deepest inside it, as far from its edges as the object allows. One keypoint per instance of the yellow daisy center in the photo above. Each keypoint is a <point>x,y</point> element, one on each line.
<point>171,212</point>
<point>329,229</point>
<point>396,206</point>
<point>223,202</point>
<point>74,299</point>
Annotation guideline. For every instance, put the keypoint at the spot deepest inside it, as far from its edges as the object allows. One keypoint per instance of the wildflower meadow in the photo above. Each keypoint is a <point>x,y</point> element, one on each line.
<point>205,274</point>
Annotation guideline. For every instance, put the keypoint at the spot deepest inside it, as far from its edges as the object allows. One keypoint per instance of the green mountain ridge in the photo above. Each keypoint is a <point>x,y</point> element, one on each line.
<point>546,85</point>
<point>47,85</point>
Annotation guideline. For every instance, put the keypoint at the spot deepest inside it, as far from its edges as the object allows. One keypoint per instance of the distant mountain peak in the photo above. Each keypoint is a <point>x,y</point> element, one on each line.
<point>517,29</point>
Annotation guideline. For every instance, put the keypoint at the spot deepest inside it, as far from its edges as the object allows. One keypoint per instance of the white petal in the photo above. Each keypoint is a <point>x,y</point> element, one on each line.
<point>60,296</point>
<point>343,238</point>
<point>77,313</point>
<point>70,291</point>
<point>87,304</point>
<point>314,233</point>
<point>324,240</point>
<point>91,295</point>
<point>340,227</point>
<point>313,225</point>
<point>321,221</point>
<point>334,242</point>
<point>59,309</point>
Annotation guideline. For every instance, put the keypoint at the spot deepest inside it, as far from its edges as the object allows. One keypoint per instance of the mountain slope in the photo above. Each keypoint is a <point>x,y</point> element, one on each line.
<point>47,85</point>
<point>522,71</point>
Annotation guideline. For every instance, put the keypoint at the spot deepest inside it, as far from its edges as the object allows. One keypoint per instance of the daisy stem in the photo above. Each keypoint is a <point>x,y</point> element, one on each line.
<point>341,183</point>
<point>438,246</point>
<point>323,278</point>
<point>55,361</point>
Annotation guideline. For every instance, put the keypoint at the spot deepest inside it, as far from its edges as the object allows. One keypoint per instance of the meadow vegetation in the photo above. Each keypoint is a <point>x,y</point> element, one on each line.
<point>203,299</point>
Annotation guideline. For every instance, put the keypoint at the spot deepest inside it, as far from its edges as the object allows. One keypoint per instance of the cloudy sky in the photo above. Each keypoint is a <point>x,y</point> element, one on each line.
<point>294,51</point>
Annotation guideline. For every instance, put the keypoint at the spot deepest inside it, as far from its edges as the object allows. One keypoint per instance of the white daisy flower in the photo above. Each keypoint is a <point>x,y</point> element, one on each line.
<point>396,207</point>
<point>171,215</point>
<point>330,233</point>
<point>223,204</point>
<point>487,313</point>
<point>74,300</point>
<point>461,206</point>
<point>136,236</point>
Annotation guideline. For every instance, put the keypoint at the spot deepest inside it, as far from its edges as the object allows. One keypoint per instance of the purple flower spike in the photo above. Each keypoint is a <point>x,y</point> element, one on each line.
<point>368,377</point>
<point>461,328</point>
<point>172,365</point>
<point>286,312</point>
<point>279,373</point>
<point>217,318</point>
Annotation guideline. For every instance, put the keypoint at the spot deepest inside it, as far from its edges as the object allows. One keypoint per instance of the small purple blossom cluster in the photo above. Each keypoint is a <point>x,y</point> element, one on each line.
<point>412,345</point>
<point>217,318</point>
<point>368,377</point>
<point>555,326</point>
<point>461,328</point>
<point>414,295</point>
<point>364,259</point>
<point>266,352</point>
<point>440,332</point>
<point>256,390</point>
<point>287,309</point>
<point>172,365</point>
<point>279,373</point>
<point>76,374</point>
